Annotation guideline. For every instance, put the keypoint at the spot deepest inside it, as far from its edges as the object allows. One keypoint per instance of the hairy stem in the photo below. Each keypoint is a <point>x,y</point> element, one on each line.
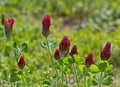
<point>66,80</point>
<point>23,78</point>
<point>75,73</point>
<point>62,75</point>
<point>85,77</point>
<point>50,53</point>
<point>101,75</point>
<point>11,42</point>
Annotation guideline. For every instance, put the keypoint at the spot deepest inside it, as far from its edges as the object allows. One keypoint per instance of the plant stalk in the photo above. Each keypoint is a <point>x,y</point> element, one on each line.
<point>23,80</point>
<point>11,42</point>
<point>85,77</point>
<point>50,53</point>
<point>75,73</point>
<point>62,76</point>
<point>101,75</point>
<point>66,80</point>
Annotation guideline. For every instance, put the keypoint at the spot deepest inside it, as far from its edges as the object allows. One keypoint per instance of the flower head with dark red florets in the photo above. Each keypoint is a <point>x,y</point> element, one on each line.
<point>8,27</point>
<point>3,19</point>
<point>46,20</point>
<point>64,45</point>
<point>74,50</point>
<point>46,25</point>
<point>21,62</point>
<point>89,59</point>
<point>106,52</point>
<point>57,54</point>
<point>9,23</point>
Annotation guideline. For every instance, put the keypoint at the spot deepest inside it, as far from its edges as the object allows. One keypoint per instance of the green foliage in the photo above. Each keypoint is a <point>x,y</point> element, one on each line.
<point>103,76</point>
<point>5,75</point>
<point>14,77</point>
<point>103,65</point>
<point>95,22</point>
<point>94,68</point>
<point>23,47</point>
<point>51,82</point>
<point>90,79</point>
<point>107,80</point>
<point>96,79</point>
<point>109,68</point>
<point>51,44</point>
<point>43,44</point>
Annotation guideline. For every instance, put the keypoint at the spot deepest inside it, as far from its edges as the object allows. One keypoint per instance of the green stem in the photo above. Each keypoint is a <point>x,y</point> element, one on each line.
<point>101,75</point>
<point>62,75</point>
<point>55,85</point>
<point>11,42</point>
<point>75,73</point>
<point>23,79</point>
<point>66,80</point>
<point>85,81</point>
<point>50,53</point>
<point>85,77</point>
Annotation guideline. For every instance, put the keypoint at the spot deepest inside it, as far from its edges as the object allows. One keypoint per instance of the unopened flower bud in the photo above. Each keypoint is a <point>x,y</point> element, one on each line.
<point>89,59</point>
<point>57,54</point>
<point>64,45</point>
<point>74,50</point>
<point>21,62</point>
<point>106,52</point>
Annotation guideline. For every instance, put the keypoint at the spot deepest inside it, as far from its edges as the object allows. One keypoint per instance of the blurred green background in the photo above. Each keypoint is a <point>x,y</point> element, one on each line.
<point>88,23</point>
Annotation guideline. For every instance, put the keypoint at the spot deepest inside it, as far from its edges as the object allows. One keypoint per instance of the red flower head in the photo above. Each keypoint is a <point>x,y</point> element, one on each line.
<point>106,52</point>
<point>74,50</point>
<point>46,25</point>
<point>21,62</point>
<point>64,45</point>
<point>90,59</point>
<point>8,27</point>
<point>3,19</point>
<point>9,23</point>
<point>57,54</point>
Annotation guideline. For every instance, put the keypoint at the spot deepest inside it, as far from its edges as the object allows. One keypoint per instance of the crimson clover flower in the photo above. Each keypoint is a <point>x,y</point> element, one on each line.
<point>64,45</point>
<point>21,62</point>
<point>8,27</point>
<point>74,50</point>
<point>106,51</point>
<point>90,59</point>
<point>9,23</point>
<point>57,54</point>
<point>46,25</point>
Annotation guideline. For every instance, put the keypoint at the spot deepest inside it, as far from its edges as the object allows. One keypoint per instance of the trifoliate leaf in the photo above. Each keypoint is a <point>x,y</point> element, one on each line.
<point>94,69</point>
